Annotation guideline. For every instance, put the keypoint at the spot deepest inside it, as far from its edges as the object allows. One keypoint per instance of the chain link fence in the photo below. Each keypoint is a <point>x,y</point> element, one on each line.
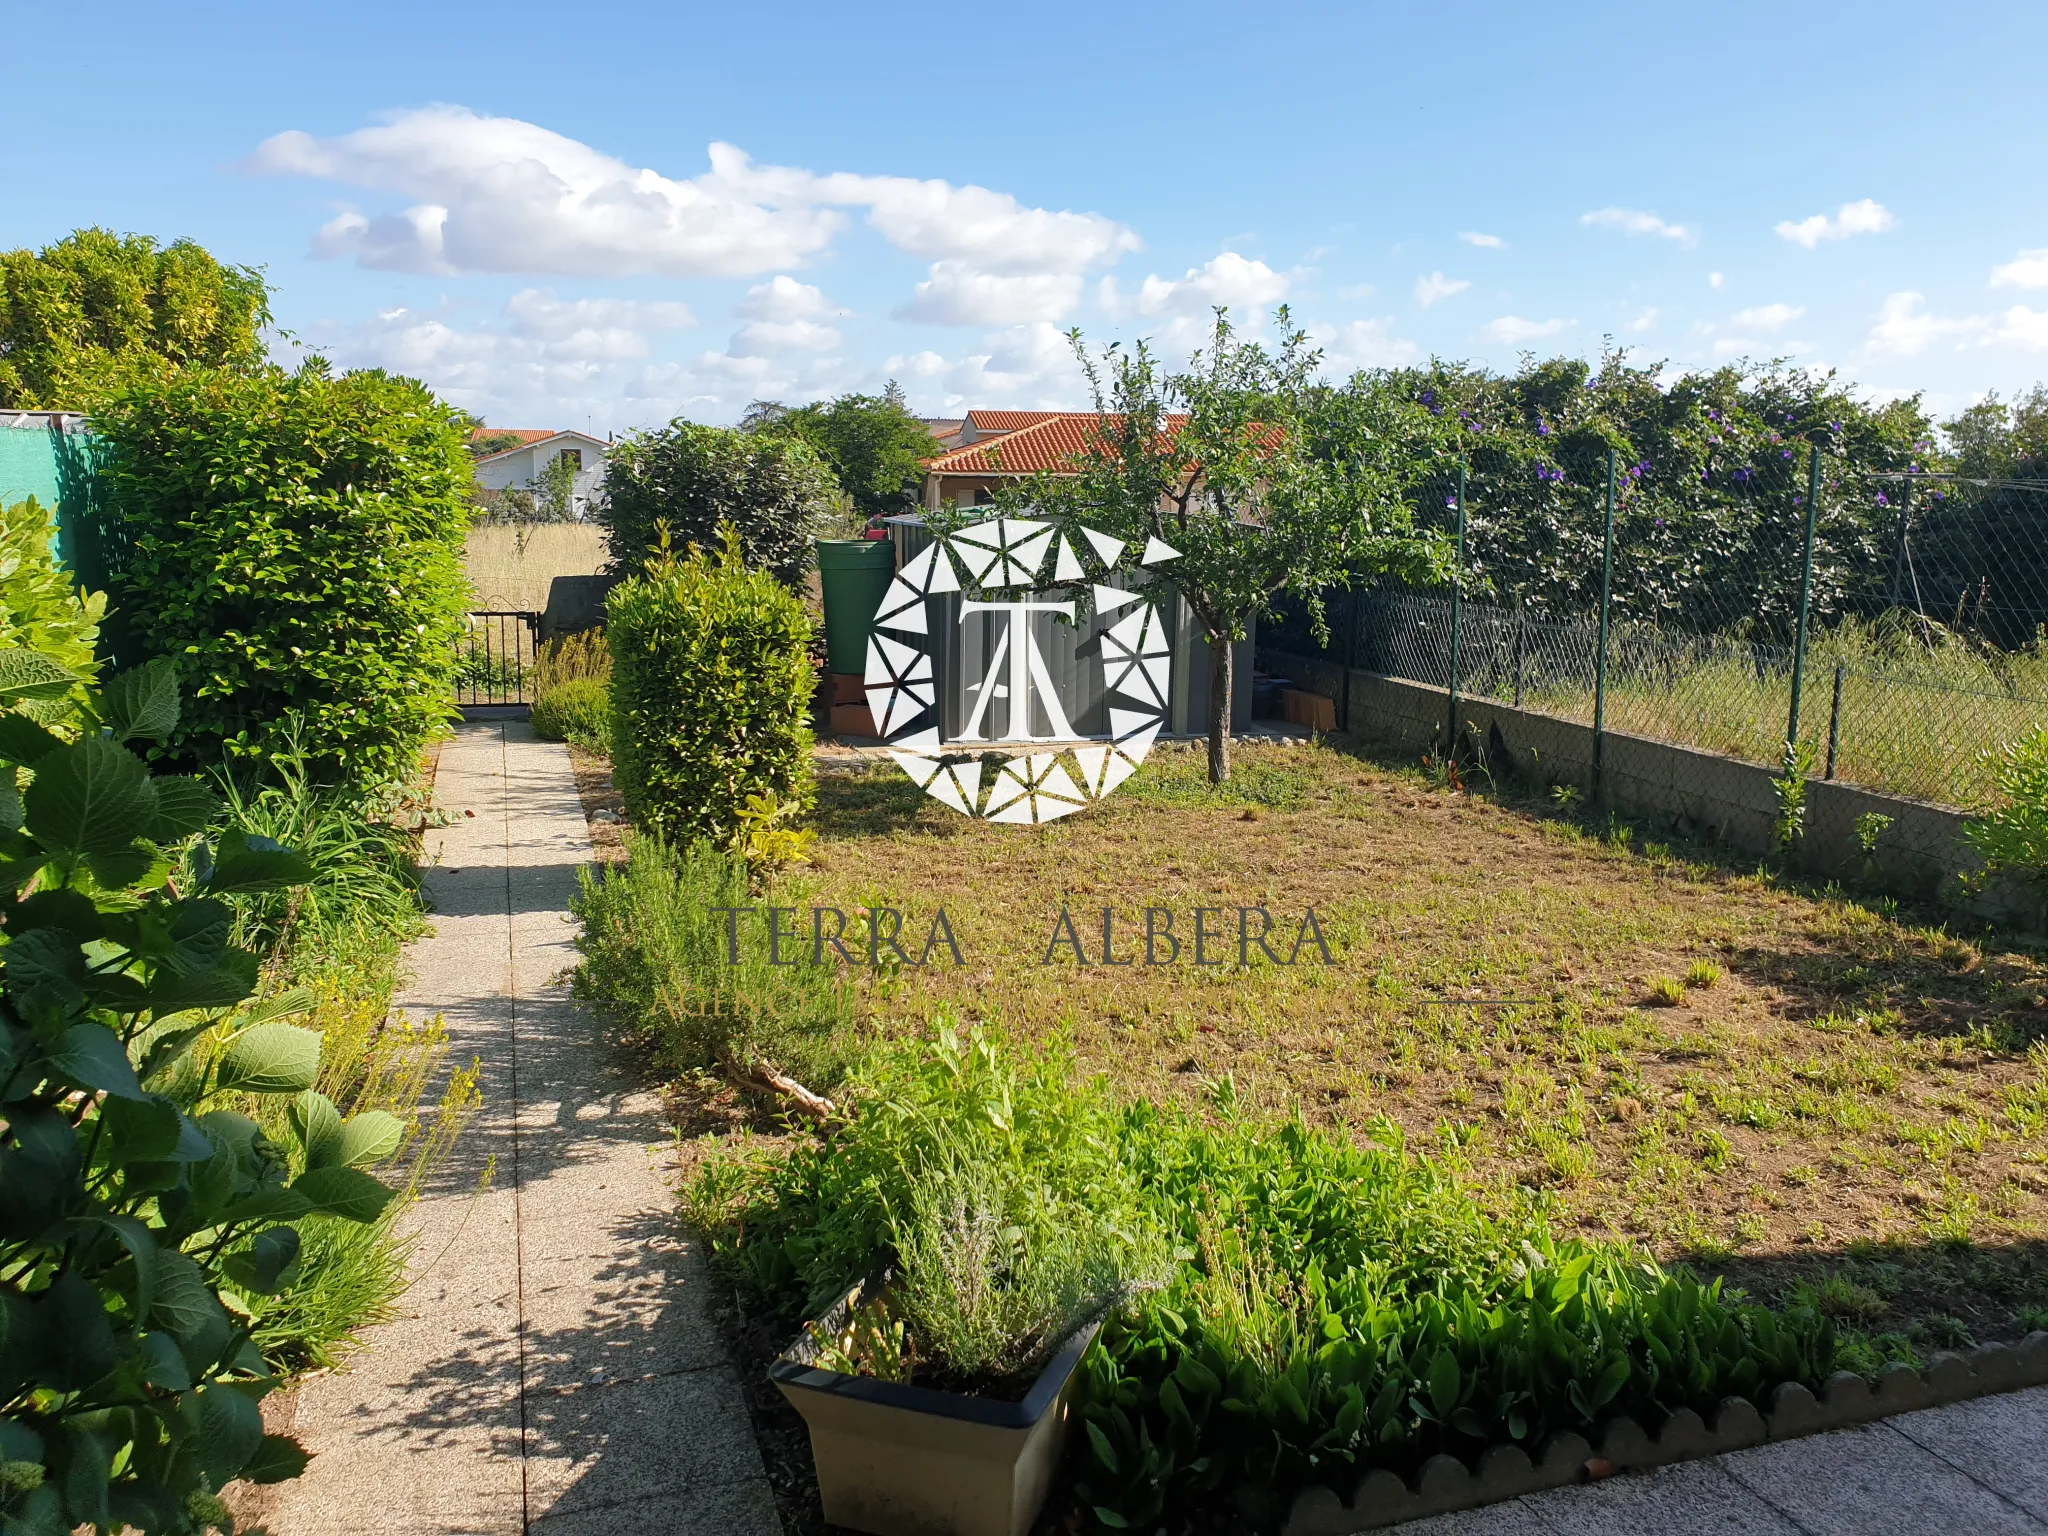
<point>1892,626</point>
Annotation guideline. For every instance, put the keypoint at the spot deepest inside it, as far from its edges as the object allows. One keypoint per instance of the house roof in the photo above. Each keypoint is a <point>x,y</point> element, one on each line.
<point>530,437</point>
<point>1023,442</point>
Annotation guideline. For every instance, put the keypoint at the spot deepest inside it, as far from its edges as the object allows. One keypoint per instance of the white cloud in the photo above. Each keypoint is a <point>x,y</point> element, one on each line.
<point>2021,327</point>
<point>1716,279</point>
<point>1632,221</point>
<point>782,298</point>
<point>1364,344</point>
<point>990,230</point>
<point>1645,320</point>
<point>1436,286</point>
<point>957,294</point>
<point>1029,367</point>
<point>1235,282</point>
<point>495,194</point>
<point>1485,242</point>
<point>1768,317</point>
<point>1864,217</point>
<point>2029,269</point>
<point>1513,330</point>
<point>1357,291</point>
<point>591,329</point>
<point>1904,330</point>
<point>784,315</point>
<point>771,338</point>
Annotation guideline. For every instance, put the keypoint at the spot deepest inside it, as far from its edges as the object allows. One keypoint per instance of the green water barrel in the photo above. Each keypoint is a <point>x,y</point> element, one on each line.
<point>852,574</point>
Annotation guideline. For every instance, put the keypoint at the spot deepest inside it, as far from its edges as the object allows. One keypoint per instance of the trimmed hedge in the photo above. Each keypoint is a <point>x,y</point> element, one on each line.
<point>711,693</point>
<point>692,481</point>
<point>292,541</point>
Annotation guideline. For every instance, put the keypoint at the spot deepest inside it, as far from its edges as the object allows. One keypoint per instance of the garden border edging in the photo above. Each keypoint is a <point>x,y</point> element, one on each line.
<point>1445,1484</point>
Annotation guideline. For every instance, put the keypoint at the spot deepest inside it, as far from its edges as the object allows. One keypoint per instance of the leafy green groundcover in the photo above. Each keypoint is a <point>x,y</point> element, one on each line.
<point>1331,1308</point>
<point>143,1215</point>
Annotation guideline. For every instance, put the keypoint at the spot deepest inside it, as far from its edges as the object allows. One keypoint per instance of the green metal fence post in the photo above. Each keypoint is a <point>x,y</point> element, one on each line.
<point>1834,724</point>
<point>1350,647</point>
<point>1600,661</point>
<point>1899,544</point>
<point>1805,592</point>
<point>1457,615</point>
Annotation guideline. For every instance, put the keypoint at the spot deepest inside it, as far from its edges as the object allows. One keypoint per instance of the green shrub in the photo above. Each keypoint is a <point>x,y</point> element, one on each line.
<point>293,543</point>
<point>135,1189</point>
<point>579,710</point>
<point>96,308</point>
<point>689,481</point>
<point>659,956</point>
<point>2014,838</point>
<point>41,608</point>
<point>571,658</point>
<point>711,694</point>
<point>1335,1307</point>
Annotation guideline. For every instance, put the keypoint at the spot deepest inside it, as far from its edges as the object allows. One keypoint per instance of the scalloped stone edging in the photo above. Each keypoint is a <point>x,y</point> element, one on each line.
<point>1446,1484</point>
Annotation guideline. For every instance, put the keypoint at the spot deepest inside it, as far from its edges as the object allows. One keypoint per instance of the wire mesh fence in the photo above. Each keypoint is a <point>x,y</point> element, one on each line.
<point>1894,626</point>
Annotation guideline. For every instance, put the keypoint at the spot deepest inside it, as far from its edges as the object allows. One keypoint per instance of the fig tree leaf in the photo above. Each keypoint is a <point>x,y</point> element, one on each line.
<point>317,1124</point>
<point>345,1192</point>
<point>92,797</point>
<point>23,741</point>
<point>244,863</point>
<point>370,1137</point>
<point>91,1056</point>
<point>26,674</point>
<point>266,1265</point>
<point>278,1459</point>
<point>271,1058</point>
<point>143,702</point>
<point>183,806</point>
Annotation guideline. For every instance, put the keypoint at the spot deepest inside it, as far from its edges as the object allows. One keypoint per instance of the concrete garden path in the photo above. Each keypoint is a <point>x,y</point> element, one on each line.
<point>553,1370</point>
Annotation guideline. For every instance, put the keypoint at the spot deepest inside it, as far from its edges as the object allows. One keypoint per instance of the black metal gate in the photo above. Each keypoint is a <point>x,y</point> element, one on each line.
<point>494,658</point>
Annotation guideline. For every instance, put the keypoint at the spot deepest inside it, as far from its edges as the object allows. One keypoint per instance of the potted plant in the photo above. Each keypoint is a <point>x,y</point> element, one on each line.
<point>900,1459</point>
<point>937,1395</point>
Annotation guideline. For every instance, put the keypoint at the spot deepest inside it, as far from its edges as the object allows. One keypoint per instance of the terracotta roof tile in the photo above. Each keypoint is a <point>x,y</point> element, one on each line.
<point>1051,440</point>
<point>524,434</point>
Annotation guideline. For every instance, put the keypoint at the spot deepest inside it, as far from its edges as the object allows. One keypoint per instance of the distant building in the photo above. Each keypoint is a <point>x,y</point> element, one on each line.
<point>518,467</point>
<point>984,449</point>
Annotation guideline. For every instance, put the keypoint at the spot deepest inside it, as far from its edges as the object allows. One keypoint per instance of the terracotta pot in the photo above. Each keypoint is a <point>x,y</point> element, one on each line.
<point>897,1460</point>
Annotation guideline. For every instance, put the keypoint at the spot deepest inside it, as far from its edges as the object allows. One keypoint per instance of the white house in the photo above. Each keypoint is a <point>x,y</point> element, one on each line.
<point>518,468</point>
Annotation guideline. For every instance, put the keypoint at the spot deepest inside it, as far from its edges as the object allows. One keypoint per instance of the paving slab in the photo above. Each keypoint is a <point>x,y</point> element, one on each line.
<point>553,1367</point>
<point>2001,1442</point>
<point>1873,1481</point>
<point>1696,1498</point>
<point>1510,1518</point>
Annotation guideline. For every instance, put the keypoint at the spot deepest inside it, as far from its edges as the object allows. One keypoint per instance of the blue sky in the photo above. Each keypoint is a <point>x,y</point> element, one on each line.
<point>523,204</point>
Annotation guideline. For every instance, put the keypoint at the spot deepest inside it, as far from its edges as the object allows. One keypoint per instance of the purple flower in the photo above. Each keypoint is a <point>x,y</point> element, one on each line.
<point>1881,501</point>
<point>1785,453</point>
<point>1660,522</point>
<point>1450,501</point>
<point>1543,429</point>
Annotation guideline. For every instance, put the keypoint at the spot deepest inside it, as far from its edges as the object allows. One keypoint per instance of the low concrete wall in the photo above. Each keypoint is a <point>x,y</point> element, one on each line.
<point>1697,794</point>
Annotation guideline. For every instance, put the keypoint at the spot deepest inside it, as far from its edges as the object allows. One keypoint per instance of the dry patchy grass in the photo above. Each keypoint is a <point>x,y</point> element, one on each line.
<point>1699,1058</point>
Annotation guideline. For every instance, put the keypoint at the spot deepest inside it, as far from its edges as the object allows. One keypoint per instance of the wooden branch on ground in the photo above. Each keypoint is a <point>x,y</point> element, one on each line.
<point>766,1077</point>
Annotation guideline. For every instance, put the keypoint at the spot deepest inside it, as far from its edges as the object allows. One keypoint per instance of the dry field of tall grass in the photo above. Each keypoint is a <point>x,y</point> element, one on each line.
<point>510,564</point>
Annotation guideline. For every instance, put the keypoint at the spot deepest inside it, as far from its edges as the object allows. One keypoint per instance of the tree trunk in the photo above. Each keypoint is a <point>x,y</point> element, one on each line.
<point>1221,662</point>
